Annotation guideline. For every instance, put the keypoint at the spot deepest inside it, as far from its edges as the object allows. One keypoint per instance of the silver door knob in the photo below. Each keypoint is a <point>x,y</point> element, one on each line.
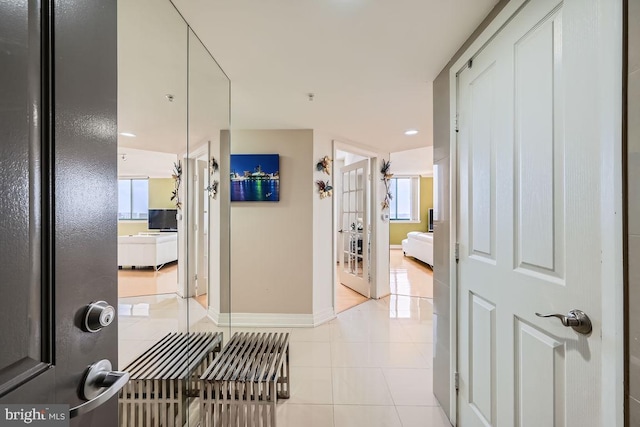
<point>576,319</point>
<point>99,384</point>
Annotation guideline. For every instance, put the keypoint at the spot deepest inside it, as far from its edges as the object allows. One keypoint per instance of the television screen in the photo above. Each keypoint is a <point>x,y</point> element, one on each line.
<point>255,178</point>
<point>163,219</point>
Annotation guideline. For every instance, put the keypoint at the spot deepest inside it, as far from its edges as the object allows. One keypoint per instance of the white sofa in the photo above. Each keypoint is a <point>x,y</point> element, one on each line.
<point>420,246</point>
<point>147,250</point>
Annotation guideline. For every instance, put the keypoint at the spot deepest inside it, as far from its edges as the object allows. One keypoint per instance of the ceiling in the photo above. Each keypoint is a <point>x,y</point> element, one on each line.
<point>134,163</point>
<point>369,63</point>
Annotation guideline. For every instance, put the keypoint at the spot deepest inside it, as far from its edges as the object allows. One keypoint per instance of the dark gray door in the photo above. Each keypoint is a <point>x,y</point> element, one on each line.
<point>58,204</point>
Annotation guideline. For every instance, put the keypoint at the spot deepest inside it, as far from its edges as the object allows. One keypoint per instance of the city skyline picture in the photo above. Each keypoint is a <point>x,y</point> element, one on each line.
<point>255,177</point>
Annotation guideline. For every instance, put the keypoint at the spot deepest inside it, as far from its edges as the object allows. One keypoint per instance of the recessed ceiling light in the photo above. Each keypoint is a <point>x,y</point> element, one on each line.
<point>411,132</point>
<point>129,134</point>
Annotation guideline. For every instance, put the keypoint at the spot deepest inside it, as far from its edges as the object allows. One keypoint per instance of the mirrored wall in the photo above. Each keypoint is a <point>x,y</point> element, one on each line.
<point>173,204</point>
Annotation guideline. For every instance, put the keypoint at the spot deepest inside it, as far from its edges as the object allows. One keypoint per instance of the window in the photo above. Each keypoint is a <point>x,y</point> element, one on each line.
<point>133,199</point>
<point>405,201</point>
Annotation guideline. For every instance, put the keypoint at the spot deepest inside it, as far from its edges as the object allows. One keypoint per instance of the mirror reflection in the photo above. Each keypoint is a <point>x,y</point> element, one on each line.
<point>173,113</point>
<point>209,238</point>
<point>152,138</point>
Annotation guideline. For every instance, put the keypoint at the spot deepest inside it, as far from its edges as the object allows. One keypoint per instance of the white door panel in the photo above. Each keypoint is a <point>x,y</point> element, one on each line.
<point>354,223</point>
<point>528,208</point>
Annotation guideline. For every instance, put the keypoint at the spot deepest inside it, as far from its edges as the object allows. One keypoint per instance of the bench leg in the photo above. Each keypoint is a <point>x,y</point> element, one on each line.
<point>283,380</point>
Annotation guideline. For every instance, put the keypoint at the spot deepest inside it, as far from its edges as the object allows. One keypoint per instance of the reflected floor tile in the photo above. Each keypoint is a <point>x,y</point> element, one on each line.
<point>361,331</point>
<point>320,333</point>
<point>353,355</point>
<point>360,386</point>
<point>350,371</point>
<point>292,415</point>
<point>129,350</point>
<point>427,351</point>
<point>365,416</point>
<point>312,354</point>
<point>153,329</point>
<point>380,355</point>
<point>411,387</point>
<point>422,416</point>
<point>409,276</point>
<point>148,281</point>
<point>311,386</point>
<point>420,333</point>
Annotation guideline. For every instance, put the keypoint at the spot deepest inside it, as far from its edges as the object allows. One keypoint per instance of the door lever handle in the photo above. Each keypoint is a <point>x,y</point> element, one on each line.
<point>576,319</point>
<point>99,384</point>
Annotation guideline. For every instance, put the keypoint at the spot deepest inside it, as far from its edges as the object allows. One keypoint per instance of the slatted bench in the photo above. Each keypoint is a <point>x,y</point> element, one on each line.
<point>242,385</point>
<point>164,377</point>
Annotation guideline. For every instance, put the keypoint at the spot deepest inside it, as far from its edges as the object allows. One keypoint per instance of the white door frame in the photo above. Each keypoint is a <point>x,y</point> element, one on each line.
<point>187,247</point>
<point>609,64</point>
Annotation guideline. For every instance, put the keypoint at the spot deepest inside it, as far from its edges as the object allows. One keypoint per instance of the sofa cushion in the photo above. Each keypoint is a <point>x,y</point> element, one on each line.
<point>419,235</point>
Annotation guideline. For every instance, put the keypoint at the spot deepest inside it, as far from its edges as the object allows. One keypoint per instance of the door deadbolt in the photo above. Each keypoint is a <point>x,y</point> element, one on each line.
<point>98,315</point>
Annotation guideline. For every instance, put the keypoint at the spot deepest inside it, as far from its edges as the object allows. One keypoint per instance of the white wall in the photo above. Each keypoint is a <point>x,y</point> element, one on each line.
<point>323,235</point>
<point>418,161</point>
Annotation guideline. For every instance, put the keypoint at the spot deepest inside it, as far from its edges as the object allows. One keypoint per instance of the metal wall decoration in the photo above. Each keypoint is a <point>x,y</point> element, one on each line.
<point>212,188</point>
<point>213,165</point>
<point>324,165</point>
<point>177,179</point>
<point>386,178</point>
<point>324,188</point>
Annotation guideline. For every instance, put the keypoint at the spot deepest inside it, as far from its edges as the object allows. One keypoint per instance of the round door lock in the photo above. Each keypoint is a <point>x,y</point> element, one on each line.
<point>98,315</point>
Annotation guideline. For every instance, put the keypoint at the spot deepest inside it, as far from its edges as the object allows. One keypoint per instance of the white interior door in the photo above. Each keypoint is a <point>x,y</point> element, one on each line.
<point>529,223</point>
<point>354,214</point>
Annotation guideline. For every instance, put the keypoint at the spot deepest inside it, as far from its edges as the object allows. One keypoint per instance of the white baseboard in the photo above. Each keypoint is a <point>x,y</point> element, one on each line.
<point>273,320</point>
<point>323,316</point>
<point>395,246</point>
<point>215,316</point>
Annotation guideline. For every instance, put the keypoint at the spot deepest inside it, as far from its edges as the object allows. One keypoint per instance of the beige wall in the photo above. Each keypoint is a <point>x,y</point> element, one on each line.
<point>633,193</point>
<point>159,198</point>
<point>398,231</point>
<point>272,242</point>
<point>160,193</point>
<point>442,369</point>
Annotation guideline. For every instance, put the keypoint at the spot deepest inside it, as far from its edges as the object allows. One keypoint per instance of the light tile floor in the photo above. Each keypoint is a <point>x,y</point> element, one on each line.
<point>371,366</point>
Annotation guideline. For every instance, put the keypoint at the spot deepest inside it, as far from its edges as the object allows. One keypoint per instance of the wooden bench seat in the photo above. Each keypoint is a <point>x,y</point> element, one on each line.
<point>164,377</point>
<point>242,385</point>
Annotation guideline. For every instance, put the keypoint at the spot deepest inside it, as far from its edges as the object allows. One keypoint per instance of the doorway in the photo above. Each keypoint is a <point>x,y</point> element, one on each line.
<point>353,235</point>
